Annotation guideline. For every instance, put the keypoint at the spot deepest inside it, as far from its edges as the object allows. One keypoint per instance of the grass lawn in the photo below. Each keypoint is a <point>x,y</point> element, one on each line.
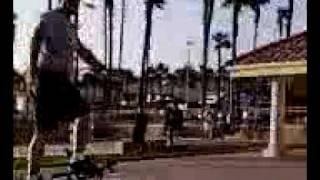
<point>21,163</point>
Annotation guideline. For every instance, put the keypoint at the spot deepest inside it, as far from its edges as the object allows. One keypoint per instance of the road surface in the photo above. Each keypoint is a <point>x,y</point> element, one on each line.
<point>211,167</point>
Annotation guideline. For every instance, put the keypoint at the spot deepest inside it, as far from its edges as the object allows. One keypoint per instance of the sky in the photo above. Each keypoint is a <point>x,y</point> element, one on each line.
<point>179,21</point>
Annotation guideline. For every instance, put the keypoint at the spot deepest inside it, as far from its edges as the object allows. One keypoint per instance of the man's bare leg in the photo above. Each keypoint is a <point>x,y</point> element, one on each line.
<point>35,152</point>
<point>30,152</point>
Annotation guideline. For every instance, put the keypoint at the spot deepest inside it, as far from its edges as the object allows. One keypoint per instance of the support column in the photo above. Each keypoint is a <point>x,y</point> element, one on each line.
<point>273,149</point>
<point>282,114</point>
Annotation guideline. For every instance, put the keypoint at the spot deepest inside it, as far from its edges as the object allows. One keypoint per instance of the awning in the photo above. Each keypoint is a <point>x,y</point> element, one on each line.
<point>269,69</point>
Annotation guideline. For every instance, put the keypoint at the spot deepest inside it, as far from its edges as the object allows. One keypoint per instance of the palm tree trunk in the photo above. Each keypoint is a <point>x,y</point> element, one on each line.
<point>236,10</point>
<point>121,32</point>
<point>206,33</point>
<point>160,87</point>
<point>205,52</point>
<point>290,18</point>
<point>106,92</point>
<point>140,127</point>
<point>121,38</point>
<point>146,86</point>
<point>256,25</point>
<point>110,7</point>
<point>255,37</point>
<point>280,24</point>
<point>219,79</point>
<point>49,5</point>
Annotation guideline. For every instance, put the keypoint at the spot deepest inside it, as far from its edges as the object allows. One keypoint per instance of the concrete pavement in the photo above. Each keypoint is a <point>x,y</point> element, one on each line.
<point>213,168</point>
<point>245,166</point>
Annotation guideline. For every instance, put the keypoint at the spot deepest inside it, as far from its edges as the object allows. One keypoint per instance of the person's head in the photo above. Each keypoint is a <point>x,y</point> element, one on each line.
<point>71,6</point>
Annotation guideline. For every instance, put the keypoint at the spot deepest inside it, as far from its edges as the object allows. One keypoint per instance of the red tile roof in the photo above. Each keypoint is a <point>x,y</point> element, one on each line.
<point>293,48</point>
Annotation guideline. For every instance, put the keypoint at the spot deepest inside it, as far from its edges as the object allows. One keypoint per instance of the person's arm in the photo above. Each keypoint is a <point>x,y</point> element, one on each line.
<point>34,51</point>
<point>89,57</point>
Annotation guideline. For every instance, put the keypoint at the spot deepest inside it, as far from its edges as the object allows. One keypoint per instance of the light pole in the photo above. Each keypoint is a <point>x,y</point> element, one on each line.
<point>189,44</point>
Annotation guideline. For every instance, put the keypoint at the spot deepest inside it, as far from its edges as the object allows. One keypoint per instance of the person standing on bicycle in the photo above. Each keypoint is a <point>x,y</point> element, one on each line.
<point>54,45</point>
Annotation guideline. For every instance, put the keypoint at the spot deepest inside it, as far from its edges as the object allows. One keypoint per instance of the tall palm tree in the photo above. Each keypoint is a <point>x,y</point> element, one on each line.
<point>285,14</point>
<point>289,24</point>
<point>140,128</point>
<point>255,6</point>
<point>110,9</point>
<point>49,5</point>
<point>14,25</point>
<point>208,6</point>
<point>123,5</point>
<point>222,41</point>
<point>237,5</point>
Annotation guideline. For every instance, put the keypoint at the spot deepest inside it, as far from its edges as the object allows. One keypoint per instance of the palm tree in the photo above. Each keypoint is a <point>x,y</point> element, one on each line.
<point>49,5</point>
<point>290,18</point>
<point>237,5</point>
<point>221,42</point>
<point>281,16</point>
<point>255,6</point>
<point>14,25</point>
<point>285,14</point>
<point>123,5</point>
<point>110,9</point>
<point>140,128</point>
<point>208,6</point>
<point>121,35</point>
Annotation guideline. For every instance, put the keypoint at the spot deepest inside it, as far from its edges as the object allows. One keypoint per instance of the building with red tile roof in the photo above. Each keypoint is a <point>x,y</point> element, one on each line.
<point>284,65</point>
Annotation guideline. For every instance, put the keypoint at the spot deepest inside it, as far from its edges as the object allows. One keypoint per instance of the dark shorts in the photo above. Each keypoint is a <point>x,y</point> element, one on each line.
<point>57,100</point>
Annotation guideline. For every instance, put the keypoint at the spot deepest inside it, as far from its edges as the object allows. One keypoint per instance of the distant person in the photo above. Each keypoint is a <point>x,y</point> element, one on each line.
<point>168,126</point>
<point>54,44</point>
<point>178,119</point>
<point>207,123</point>
<point>220,125</point>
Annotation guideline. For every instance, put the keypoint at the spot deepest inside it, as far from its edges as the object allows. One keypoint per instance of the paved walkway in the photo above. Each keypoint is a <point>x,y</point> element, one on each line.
<point>245,166</point>
<point>213,168</point>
